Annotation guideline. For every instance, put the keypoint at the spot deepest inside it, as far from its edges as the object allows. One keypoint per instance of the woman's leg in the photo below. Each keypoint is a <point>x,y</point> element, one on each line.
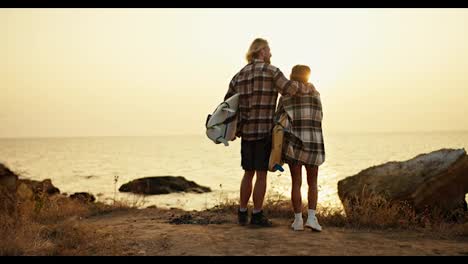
<point>312,222</point>
<point>296,176</point>
<point>312,194</point>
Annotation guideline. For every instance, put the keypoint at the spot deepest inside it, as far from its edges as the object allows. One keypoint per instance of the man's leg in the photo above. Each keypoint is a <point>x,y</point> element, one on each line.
<point>259,190</point>
<point>261,158</point>
<point>246,188</point>
<point>247,157</point>
<point>245,192</point>
<point>258,218</point>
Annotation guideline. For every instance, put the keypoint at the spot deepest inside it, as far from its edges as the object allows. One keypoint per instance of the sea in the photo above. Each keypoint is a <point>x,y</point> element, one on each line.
<point>100,165</point>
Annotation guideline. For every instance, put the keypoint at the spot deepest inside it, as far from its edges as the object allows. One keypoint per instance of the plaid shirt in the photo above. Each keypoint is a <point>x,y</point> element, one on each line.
<point>303,138</point>
<point>258,84</point>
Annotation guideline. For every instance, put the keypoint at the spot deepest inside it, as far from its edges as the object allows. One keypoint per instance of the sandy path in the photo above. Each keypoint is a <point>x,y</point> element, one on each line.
<point>148,232</point>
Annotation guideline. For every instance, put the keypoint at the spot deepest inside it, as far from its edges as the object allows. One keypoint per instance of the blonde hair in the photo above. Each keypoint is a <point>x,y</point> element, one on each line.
<point>300,73</point>
<point>257,45</point>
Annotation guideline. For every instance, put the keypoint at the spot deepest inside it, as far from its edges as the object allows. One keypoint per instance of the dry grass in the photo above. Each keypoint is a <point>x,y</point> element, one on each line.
<point>369,212</point>
<point>373,211</point>
<point>26,237</point>
<point>52,225</point>
<point>46,225</point>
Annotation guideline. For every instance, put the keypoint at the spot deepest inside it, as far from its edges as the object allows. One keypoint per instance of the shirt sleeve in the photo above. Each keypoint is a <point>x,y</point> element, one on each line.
<point>283,85</point>
<point>231,91</point>
<point>288,87</point>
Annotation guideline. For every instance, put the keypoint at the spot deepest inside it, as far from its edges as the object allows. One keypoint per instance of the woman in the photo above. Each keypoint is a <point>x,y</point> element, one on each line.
<point>303,145</point>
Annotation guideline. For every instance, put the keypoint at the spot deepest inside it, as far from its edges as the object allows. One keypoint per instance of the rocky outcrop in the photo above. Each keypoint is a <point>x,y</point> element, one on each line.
<point>8,199</point>
<point>438,179</point>
<point>17,193</point>
<point>83,197</point>
<point>38,187</point>
<point>162,185</point>
<point>8,179</point>
<point>14,189</point>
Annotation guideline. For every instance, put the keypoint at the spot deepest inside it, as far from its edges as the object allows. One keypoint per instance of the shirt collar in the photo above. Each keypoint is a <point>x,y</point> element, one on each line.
<point>257,61</point>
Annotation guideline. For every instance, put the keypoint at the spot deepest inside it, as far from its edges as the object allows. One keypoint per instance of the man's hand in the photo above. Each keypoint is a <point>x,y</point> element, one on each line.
<point>310,89</point>
<point>293,89</point>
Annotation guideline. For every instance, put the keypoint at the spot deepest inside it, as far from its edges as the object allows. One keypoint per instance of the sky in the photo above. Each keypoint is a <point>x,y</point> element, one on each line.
<point>146,72</point>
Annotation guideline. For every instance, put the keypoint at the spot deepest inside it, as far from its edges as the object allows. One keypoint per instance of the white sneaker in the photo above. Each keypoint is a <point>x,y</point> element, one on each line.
<point>298,225</point>
<point>313,224</point>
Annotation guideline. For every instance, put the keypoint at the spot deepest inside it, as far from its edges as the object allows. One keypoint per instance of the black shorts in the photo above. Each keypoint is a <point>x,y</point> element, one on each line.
<point>255,155</point>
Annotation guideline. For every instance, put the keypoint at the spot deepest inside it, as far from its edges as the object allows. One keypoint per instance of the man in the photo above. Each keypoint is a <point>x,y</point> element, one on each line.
<point>258,84</point>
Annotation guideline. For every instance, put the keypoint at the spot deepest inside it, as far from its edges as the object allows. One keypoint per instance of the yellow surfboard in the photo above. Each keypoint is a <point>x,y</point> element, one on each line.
<point>277,145</point>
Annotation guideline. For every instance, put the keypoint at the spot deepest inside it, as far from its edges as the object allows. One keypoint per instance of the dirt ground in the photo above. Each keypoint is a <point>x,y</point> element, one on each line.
<point>156,232</point>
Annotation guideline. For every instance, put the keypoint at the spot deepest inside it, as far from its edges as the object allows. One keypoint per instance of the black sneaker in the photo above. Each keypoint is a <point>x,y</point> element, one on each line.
<point>242,217</point>
<point>259,219</point>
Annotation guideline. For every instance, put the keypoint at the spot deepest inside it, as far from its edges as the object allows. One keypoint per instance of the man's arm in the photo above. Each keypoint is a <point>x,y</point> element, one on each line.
<point>287,87</point>
<point>279,109</point>
<point>231,91</point>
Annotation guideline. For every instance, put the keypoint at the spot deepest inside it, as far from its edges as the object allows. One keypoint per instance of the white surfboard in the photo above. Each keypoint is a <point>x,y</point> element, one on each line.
<point>221,125</point>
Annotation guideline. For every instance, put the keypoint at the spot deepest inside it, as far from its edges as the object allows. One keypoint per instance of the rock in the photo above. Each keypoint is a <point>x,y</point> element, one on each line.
<point>83,197</point>
<point>162,185</point>
<point>8,201</point>
<point>8,184</point>
<point>15,191</point>
<point>7,177</point>
<point>24,192</point>
<point>438,179</point>
<point>40,187</point>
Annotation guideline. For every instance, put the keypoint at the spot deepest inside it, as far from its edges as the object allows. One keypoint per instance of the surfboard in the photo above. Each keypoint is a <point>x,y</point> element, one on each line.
<point>221,125</point>
<point>275,162</point>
